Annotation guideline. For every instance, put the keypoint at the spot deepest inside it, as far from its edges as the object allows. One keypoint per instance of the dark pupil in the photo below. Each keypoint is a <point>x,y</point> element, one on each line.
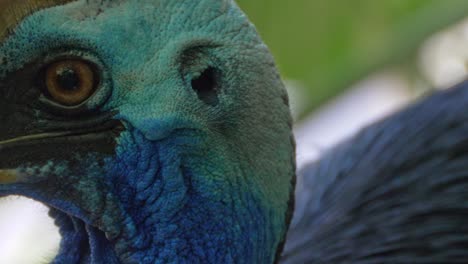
<point>67,79</point>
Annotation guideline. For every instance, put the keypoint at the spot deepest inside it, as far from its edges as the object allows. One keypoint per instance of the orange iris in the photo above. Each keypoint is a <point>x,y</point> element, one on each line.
<point>70,82</point>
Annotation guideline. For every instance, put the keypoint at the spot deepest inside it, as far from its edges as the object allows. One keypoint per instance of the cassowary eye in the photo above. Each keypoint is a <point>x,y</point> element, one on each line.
<point>70,82</point>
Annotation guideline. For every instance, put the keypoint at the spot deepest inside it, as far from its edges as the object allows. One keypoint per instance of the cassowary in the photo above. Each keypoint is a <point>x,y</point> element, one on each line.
<point>158,131</point>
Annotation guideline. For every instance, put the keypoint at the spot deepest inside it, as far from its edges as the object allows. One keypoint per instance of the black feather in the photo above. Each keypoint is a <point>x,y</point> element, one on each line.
<point>395,193</point>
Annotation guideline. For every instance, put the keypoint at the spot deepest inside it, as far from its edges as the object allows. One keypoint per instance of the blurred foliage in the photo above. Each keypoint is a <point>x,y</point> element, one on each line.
<point>329,44</point>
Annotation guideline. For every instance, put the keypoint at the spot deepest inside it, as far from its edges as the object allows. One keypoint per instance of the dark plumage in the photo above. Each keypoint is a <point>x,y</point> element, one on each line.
<point>396,192</point>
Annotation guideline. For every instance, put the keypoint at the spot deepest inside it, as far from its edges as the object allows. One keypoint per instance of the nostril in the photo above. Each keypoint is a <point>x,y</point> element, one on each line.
<point>206,86</point>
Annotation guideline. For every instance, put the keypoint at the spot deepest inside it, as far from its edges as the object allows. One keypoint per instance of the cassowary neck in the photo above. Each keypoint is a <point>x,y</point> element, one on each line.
<point>170,212</point>
<point>81,243</point>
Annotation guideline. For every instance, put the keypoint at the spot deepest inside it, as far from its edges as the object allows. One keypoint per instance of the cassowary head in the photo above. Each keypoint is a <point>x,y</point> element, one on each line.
<point>156,131</point>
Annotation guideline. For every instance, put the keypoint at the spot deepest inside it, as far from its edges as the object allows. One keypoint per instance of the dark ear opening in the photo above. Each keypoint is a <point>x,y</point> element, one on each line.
<point>206,86</point>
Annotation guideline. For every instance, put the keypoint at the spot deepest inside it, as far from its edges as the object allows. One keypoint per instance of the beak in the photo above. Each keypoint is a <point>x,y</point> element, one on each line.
<point>63,168</point>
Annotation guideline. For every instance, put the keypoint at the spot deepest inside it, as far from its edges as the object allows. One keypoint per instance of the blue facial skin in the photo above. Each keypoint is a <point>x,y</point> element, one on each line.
<point>194,177</point>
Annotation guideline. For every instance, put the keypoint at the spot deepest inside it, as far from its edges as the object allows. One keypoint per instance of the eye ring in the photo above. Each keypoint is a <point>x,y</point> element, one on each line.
<point>70,82</point>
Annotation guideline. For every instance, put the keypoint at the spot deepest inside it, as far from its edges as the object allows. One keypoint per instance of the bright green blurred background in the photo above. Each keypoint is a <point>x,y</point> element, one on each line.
<point>329,44</point>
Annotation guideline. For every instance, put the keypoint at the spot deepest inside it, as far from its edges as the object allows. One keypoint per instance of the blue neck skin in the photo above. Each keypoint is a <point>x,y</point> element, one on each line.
<point>81,243</point>
<point>171,210</point>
